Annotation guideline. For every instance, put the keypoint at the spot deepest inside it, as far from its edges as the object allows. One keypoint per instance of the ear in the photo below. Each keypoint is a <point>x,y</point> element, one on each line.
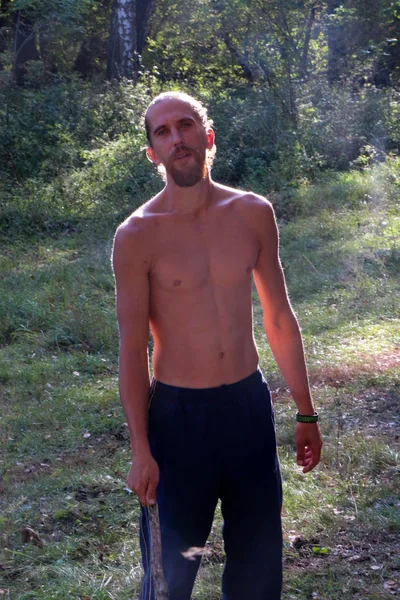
<point>210,138</point>
<point>152,156</point>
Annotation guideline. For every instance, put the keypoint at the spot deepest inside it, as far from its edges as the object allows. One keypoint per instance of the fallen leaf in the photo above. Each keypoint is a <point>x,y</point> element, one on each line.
<point>320,550</point>
<point>392,586</point>
<point>193,552</point>
<point>30,536</point>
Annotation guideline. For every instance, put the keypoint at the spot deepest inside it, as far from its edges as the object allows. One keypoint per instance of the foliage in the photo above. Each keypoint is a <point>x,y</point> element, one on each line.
<point>70,144</point>
<point>73,152</point>
<point>60,28</point>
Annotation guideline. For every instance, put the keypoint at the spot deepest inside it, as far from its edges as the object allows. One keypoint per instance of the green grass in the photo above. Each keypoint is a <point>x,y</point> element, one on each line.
<point>64,446</point>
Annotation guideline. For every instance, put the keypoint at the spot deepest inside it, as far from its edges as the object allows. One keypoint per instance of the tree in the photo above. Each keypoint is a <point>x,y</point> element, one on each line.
<point>128,31</point>
<point>336,42</point>
<point>92,56</point>
<point>25,48</point>
<point>5,24</point>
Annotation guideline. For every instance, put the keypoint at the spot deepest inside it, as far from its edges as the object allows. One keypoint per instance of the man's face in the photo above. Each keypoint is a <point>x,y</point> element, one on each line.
<point>179,141</point>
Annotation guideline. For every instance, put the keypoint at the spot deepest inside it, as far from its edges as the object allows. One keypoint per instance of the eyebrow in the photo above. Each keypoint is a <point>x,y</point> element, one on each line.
<point>157,129</point>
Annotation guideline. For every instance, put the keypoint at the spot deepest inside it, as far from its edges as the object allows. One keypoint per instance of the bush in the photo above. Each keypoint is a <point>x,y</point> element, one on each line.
<point>71,153</point>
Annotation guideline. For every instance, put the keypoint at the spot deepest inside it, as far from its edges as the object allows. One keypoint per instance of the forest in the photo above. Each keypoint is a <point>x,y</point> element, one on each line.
<point>305,102</point>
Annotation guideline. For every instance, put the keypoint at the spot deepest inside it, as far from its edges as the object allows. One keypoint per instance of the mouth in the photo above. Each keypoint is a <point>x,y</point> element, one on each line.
<point>182,155</point>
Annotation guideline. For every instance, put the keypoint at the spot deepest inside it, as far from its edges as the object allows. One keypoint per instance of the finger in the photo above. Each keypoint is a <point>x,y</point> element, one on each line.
<point>316,453</point>
<point>143,501</point>
<point>308,465</point>
<point>311,462</point>
<point>300,456</point>
<point>309,468</point>
<point>151,493</point>
<point>141,494</point>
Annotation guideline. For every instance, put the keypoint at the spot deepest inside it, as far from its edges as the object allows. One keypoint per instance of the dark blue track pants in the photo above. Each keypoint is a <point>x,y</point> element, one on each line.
<point>210,444</point>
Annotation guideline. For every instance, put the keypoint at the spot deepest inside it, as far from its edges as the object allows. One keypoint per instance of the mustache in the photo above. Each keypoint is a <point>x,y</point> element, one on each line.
<point>181,149</point>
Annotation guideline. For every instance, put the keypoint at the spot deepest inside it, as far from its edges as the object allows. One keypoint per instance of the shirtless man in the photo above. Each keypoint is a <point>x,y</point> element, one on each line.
<point>203,428</point>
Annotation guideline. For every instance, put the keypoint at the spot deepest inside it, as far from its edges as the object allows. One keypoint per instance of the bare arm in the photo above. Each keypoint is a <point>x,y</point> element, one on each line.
<point>131,268</point>
<point>283,333</point>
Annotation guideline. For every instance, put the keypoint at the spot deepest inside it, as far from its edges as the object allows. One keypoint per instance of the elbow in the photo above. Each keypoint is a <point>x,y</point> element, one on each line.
<point>280,323</point>
<point>129,350</point>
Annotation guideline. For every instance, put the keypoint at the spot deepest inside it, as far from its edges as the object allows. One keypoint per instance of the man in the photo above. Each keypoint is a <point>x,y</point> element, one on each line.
<point>204,429</point>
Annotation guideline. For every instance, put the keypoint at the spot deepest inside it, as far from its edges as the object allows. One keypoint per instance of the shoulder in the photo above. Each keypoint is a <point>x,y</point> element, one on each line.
<point>254,210</point>
<point>251,204</point>
<point>257,214</point>
<point>133,237</point>
<point>255,206</point>
<point>138,227</point>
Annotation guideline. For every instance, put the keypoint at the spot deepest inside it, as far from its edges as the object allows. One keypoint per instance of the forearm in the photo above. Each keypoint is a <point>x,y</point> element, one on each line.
<point>134,394</point>
<point>286,344</point>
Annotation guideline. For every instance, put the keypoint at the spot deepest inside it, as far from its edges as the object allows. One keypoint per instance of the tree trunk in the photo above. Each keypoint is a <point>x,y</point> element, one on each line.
<point>122,44</point>
<point>303,67</point>
<point>91,54</point>
<point>240,59</point>
<point>144,10</point>
<point>5,22</point>
<point>24,45</point>
<point>47,53</point>
<point>336,44</point>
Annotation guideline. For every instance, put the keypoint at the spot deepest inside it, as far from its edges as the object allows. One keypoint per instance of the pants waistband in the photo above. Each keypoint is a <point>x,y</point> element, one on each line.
<point>230,388</point>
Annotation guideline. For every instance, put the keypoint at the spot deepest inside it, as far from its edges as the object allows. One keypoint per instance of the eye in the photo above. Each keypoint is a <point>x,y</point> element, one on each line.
<point>186,125</point>
<point>161,132</point>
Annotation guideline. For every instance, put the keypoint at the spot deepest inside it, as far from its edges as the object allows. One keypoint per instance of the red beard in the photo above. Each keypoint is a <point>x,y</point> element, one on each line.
<point>192,171</point>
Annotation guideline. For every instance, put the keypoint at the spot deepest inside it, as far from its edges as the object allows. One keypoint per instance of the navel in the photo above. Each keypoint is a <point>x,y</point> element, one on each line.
<point>221,354</point>
<point>177,282</point>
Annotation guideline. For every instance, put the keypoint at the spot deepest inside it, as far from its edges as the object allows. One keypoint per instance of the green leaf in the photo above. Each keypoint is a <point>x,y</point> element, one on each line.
<point>320,550</point>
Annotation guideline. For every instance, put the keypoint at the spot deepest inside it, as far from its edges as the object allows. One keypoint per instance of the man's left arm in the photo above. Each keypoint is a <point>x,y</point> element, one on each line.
<point>283,332</point>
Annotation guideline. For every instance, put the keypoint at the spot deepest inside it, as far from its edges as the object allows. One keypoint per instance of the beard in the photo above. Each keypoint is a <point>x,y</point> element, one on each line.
<point>190,174</point>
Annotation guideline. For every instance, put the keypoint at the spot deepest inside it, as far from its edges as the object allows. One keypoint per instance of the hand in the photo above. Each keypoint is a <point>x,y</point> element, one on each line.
<point>309,443</point>
<point>143,478</point>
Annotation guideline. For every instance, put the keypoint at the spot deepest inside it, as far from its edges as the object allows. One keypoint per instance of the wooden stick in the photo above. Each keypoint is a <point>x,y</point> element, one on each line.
<point>156,569</point>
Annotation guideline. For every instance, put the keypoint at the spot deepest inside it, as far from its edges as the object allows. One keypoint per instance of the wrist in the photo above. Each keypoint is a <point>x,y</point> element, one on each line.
<point>304,403</point>
<point>307,418</point>
<point>140,448</point>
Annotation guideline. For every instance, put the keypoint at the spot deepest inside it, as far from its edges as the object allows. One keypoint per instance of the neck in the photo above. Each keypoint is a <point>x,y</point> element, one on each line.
<point>193,200</point>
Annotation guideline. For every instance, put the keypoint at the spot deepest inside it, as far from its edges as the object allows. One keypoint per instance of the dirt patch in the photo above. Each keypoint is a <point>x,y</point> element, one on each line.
<point>375,411</point>
<point>365,560</point>
<point>337,376</point>
<point>101,447</point>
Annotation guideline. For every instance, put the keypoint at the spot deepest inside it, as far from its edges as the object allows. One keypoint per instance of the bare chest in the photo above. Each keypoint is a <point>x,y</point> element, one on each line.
<point>190,256</point>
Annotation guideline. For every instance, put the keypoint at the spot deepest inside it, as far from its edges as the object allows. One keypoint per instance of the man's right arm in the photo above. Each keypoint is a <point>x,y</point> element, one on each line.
<point>131,264</point>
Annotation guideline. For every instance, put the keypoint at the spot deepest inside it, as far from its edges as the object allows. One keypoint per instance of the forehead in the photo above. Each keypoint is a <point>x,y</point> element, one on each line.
<point>169,110</point>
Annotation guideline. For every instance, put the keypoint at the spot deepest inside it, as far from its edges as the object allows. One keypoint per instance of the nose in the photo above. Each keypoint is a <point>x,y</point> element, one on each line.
<point>177,137</point>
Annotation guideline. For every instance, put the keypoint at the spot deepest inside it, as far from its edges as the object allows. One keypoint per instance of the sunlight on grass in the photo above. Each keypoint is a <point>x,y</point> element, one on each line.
<point>65,448</point>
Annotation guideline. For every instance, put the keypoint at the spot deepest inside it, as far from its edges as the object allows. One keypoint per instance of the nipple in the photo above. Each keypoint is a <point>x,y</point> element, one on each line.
<point>176,282</point>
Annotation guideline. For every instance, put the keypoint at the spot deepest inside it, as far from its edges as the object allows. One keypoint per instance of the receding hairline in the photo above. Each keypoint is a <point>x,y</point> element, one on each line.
<point>198,109</point>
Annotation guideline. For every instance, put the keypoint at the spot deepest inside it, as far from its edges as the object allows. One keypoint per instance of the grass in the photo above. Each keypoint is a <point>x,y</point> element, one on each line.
<point>64,445</point>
